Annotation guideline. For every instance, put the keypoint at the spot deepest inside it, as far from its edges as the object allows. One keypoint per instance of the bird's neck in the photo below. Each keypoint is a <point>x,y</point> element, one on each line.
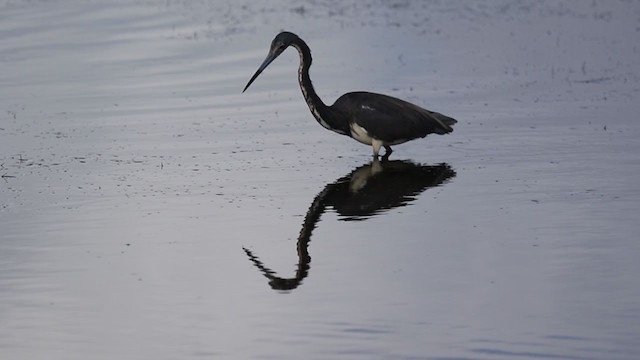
<point>320,111</point>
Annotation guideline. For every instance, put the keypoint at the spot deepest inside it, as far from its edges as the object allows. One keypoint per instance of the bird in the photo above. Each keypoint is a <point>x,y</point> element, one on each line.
<point>369,118</point>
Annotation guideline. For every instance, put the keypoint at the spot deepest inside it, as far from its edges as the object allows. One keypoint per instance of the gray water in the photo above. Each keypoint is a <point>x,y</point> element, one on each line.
<point>150,210</point>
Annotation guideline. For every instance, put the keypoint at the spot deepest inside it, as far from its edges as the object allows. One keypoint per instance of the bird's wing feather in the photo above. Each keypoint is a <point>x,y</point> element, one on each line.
<point>389,119</point>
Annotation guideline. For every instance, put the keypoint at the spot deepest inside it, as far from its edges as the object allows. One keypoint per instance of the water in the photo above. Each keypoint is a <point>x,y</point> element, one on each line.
<point>144,198</point>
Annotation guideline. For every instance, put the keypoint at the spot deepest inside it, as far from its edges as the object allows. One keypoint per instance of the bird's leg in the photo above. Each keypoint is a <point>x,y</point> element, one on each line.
<point>377,144</point>
<point>387,152</point>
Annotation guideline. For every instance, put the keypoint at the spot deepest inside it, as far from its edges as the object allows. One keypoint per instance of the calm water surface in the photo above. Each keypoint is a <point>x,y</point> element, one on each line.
<point>148,209</point>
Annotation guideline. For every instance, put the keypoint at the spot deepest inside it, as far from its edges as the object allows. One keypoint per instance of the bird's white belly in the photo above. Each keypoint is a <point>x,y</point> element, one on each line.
<point>360,134</point>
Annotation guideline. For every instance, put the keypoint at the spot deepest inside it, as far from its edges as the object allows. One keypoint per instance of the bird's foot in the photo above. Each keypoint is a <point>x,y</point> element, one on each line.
<point>376,151</point>
<point>387,153</point>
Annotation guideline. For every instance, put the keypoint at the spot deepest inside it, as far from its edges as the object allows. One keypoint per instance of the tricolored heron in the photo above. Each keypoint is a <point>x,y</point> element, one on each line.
<point>372,119</point>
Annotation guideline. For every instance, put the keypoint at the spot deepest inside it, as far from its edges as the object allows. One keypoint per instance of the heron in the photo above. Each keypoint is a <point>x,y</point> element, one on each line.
<point>369,118</point>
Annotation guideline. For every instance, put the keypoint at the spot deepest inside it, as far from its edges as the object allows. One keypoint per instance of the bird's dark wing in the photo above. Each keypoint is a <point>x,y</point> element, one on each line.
<point>391,119</point>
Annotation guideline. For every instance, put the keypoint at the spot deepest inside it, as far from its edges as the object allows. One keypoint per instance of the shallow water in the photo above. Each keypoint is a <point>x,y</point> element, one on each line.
<point>149,209</point>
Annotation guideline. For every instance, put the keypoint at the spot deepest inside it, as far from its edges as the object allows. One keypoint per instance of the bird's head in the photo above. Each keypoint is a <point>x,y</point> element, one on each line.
<point>278,45</point>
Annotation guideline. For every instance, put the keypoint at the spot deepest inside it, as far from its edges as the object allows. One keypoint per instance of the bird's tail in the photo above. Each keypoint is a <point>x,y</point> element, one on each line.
<point>446,121</point>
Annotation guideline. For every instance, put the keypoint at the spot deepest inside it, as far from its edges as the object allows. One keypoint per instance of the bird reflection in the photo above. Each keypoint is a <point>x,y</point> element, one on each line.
<point>367,191</point>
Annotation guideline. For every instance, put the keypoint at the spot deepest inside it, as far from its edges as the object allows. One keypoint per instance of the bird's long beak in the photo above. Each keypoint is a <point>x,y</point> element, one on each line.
<point>272,56</point>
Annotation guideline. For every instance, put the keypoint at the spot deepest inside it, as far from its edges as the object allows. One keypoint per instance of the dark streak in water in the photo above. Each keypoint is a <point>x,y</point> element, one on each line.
<point>528,354</point>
